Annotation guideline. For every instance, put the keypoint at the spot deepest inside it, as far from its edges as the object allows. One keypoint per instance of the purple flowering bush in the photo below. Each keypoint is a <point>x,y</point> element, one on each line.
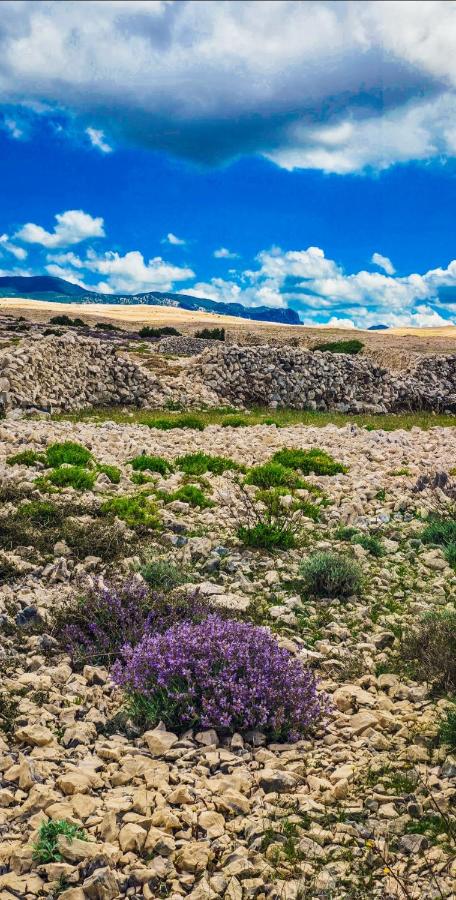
<point>221,674</point>
<point>93,627</point>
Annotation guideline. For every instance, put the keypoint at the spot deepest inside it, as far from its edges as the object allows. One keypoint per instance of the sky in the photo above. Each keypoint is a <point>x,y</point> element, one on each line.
<point>288,154</point>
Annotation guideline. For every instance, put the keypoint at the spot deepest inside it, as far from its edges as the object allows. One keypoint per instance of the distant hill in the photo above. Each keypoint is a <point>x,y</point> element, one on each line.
<point>371,327</point>
<point>57,290</point>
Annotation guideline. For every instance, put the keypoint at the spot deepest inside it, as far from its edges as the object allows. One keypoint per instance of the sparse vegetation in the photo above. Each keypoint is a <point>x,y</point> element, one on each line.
<point>441,532</point>
<point>199,463</point>
<point>211,334</point>
<point>273,474</point>
<point>67,453</point>
<point>46,849</point>
<point>352,347</point>
<point>166,331</point>
<point>72,476</point>
<point>162,574</point>
<point>112,472</point>
<point>309,461</point>
<point>430,649</point>
<point>26,458</point>
<point>145,463</point>
<point>137,510</point>
<point>191,494</point>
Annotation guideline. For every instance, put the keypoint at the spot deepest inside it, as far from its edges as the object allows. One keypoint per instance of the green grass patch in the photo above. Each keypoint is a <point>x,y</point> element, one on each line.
<point>273,474</point>
<point>72,476</point>
<point>267,536</point>
<point>46,848</point>
<point>314,461</point>
<point>353,346</point>
<point>145,463</point>
<point>447,726</point>
<point>137,511</point>
<point>261,415</point>
<point>192,494</point>
<point>25,458</point>
<point>370,542</point>
<point>441,532</point>
<point>179,421</point>
<point>199,463</point>
<point>40,512</point>
<point>114,474</point>
<point>67,453</point>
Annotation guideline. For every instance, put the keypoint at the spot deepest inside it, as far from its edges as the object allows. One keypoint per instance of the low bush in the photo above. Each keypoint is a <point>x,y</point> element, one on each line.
<point>272,499</point>
<point>72,476</point>
<point>273,474</point>
<point>441,531</point>
<point>221,674</point>
<point>198,463</point>
<point>330,575</point>
<point>113,472</point>
<point>145,463</point>
<point>40,512</point>
<point>353,346</point>
<point>370,542</point>
<point>107,326</point>
<point>267,535</point>
<point>307,461</point>
<point>61,320</point>
<point>211,334</point>
<point>447,726</point>
<point>94,538</point>
<point>192,494</point>
<point>46,849</point>
<point>67,453</point>
<point>167,330</point>
<point>25,458</point>
<point>234,421</point>
<point>430,649</point>
<point>186,420</point>
<point>137,511</point>
<point>162,575</point>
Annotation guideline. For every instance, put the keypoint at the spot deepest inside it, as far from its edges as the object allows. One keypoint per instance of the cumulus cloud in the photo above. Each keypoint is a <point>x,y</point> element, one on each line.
<point>174,240</point>
<point>189,78</point>
<point>97,139</point>
<point>224,253</point>
<point>383,262</point>
<point>73,226</point>
<point>129,274</point>
<point>5,244</point>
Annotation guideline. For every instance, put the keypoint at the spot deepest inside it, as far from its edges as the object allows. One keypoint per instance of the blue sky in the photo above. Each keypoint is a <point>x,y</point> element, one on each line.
<point>286,154</point>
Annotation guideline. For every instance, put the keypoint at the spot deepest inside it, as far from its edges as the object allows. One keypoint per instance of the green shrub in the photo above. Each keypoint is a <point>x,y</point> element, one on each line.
<point>267,535</point>
<point>447,726</point>
<point>68,453</point>
<point>371,543</point>
<point>114,474</point>
<point>61,320</point>
<point>353,346</point>
<point>107,326</point>
<point>137,511</point>
<point>430,649</point>
<point>184,421</point>
<point>190,493</point>
<point>162,575</point>
<point>148,332</point>
<point>40,512</point>
<point>198,463</point>
<point>46,849</point>
<point>144,463</point>
<point>330,575</point>
<point>93,538</point>
<point>211,334</point>
<point>140,478</point>
<point>273,474</point>
<point>73,476</point>
<point>25,458</point>
<point>315,460</point>
<point>271,497</point>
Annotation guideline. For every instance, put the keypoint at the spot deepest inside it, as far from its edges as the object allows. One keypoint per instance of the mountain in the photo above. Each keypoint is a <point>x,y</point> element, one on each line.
<point>57,290</point>
<point>371,327</point>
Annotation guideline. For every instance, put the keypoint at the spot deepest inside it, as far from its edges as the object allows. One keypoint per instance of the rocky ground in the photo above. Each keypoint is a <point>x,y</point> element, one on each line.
<point>350,812</point>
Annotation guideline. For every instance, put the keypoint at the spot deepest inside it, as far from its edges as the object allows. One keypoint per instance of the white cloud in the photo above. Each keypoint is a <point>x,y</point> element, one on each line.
<point>18,252</point>
<point>13,128</point>
<point>224,253</point>
<point>129,274</point>
<point>189,78</point>
<point>97,139</point>
<point>174,240</point>
<point>73,226</point>
<point>383,262</point>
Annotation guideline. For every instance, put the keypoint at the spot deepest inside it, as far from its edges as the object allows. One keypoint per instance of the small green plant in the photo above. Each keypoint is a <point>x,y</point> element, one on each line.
<point>145,463</point>
<point>94,538</point>
<point>370,542</point>
<point>192,494</point>
<point>234,421</point>
<point>140,478</point>
<point>327,574</point>
<point>67,453</point>
<point>198,463</point>
<point>381,495</point>
<point>61,320</point>
<point>73,476</point>
<point>307,461</point>
<point>267,536</point>
<point>441,531</point>
<point>353,346</point>
<point>46,849</point>
<point>162,575</point>
<point>40,512</point>
<point>185,420</point>
<point>273,474</point>
<point>112,472</point>
<point>398,472</point>
<point>137,511</point>
<point>211,334</point>
<point>8,712</point>
<point>25,458</point>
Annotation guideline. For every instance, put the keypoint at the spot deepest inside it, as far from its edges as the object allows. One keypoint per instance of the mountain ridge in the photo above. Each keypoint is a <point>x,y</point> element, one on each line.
<point>51,288</point>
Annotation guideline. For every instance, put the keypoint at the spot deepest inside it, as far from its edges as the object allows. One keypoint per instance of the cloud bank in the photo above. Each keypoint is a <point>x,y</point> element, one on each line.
<point>337,86</point>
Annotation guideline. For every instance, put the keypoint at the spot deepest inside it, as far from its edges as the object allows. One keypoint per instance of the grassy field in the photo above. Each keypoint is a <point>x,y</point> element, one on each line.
<point>165,419</point>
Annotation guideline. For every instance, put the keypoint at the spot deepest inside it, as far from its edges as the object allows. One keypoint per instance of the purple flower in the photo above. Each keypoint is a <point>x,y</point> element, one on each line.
<point>223,674</point>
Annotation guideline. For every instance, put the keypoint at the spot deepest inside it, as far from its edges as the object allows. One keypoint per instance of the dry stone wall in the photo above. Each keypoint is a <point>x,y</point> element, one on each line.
<point>71,372</point>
